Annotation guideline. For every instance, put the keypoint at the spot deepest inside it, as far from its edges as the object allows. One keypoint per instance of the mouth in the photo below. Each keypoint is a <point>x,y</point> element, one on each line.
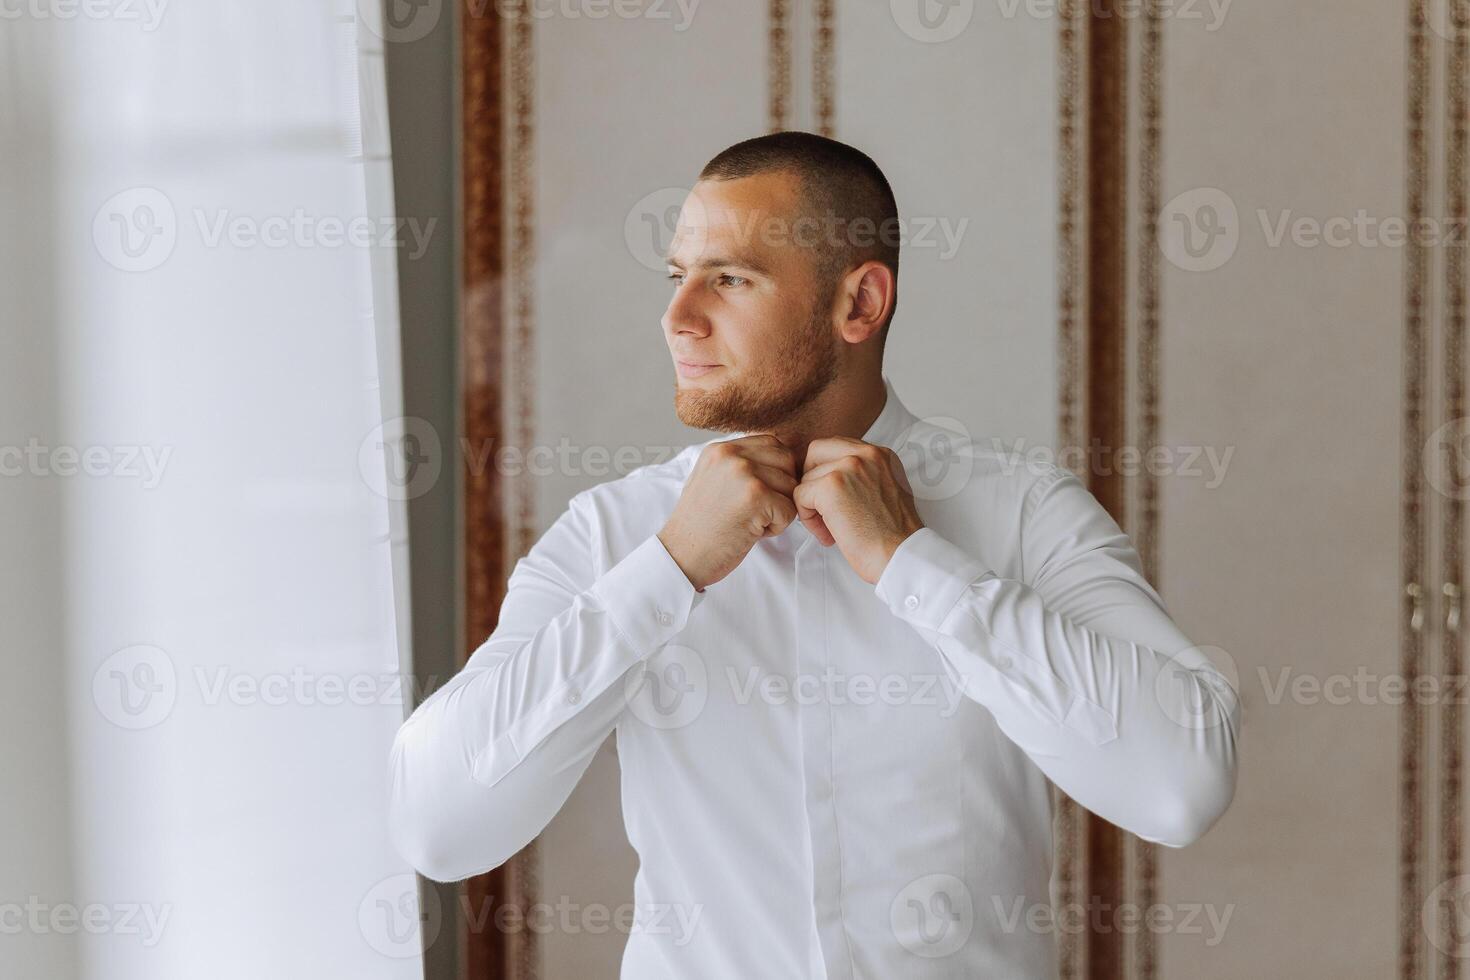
<point>687,369</point>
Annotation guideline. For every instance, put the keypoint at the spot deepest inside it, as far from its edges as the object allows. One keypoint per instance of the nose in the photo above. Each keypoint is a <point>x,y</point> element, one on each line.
<point>685,313</point>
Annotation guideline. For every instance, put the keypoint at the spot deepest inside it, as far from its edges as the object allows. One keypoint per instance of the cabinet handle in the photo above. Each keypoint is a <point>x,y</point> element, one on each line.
<point>1416,596</point>
<point>1452,613</point>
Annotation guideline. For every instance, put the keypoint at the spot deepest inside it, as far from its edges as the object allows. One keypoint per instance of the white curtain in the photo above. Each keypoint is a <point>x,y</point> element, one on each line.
<point>198,380</point>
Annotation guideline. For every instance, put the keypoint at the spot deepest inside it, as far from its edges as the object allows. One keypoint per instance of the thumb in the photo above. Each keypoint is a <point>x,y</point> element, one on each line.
<point>811,519</point>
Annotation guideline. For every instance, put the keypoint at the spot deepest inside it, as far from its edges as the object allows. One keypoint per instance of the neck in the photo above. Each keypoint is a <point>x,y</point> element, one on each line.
<point>840,410</point>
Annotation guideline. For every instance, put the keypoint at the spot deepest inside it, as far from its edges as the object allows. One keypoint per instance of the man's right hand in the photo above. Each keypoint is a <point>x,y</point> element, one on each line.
<point>738,492</point>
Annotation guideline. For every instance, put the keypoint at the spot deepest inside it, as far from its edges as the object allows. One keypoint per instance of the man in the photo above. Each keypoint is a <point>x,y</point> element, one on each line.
<point>838,701</point>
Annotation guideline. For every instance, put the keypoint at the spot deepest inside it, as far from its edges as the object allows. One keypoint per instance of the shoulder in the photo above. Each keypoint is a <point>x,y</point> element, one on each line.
<point>950,461</point>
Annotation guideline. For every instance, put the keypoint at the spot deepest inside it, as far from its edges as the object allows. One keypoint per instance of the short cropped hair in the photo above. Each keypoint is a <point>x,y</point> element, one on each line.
<point>842,189</point>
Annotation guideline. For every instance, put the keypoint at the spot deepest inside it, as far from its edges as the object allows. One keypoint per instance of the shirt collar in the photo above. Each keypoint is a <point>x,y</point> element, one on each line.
<point>894,423</point>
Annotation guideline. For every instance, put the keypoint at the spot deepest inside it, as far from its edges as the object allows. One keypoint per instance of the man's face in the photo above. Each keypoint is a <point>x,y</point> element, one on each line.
<point>748,300</point>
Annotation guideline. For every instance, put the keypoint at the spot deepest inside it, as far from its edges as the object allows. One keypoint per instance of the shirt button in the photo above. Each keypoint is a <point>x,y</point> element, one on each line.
<point>574,697</point>
<point>665,618</point>
<point>1004,663</point>
<point>911,602</point>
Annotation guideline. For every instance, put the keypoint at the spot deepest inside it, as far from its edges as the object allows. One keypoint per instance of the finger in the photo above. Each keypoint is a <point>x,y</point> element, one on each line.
<point>809,506</point>
<point>779,480</point>
<point>806,501</point>
<point>895,468</point>
<point>819,530</point>
<point>828,449</point>
<point>780,513</point>
<point>768,449</point>
<point>821,471</point>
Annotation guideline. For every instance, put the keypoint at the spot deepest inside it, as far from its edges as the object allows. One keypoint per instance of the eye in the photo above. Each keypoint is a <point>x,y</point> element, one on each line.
<point>675,277</point>
<point>730,280</point>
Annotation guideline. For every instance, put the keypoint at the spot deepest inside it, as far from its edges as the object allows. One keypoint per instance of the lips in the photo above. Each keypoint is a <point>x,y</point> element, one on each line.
<point>689,369</point>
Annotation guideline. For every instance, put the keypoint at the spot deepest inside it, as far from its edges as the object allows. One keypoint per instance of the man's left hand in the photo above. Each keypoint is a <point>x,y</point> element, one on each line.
<point>856,495</point>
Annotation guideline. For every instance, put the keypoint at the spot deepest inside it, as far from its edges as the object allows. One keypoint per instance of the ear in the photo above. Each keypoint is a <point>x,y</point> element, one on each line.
<point>865,300</point>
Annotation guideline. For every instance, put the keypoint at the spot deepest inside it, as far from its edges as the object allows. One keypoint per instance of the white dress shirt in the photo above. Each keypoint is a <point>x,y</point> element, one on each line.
<point>823,778</point>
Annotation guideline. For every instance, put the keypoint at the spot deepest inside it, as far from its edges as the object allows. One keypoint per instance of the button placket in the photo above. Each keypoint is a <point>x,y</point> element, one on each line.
<point>815,722</point>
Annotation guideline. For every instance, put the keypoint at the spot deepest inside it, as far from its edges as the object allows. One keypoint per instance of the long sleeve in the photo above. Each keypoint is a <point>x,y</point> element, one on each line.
<point>485,762</point>
<point>1079,664</point>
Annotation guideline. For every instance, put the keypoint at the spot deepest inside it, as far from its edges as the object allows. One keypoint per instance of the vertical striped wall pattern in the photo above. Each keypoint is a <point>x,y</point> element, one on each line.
<point>1414,574</point>
<point>522,380</point>
<point>1105,204</point>
<point>1452,407</point>
<point>778,61</point>
<point>1451,650</point>
<point>1431,937</point>
<point>1068,824</point>
<point>482,954</point>
<point>1107,311</point>
<point>1144,526</point>
<point>496,77</point>
<point>824,96</point>
<point>521,887</point>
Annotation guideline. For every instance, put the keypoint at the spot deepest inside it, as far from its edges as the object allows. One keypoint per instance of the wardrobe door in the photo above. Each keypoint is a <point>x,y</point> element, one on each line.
<point>1289,299</point>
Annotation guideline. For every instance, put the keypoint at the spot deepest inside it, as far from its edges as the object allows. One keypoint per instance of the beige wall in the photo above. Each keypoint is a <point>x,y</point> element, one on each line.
<point>1282,360</point>
<point>1289,355</point>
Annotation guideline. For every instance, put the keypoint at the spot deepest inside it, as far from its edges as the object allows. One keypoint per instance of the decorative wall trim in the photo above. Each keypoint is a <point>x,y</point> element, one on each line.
<point>1143,856</point>
<point>1099,93</point>
<point>522,267</point>
<point>1412,533</point>
<point>823,84</point>
<point>491,78</point>
<point>1068,815</point>
<point>778,65</point>
<point>1452,542</point>
<point>1105,399</point>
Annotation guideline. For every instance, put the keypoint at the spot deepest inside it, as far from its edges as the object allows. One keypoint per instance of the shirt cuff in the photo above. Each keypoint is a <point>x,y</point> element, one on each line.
<point>647,595</point>
<point>926,577</point>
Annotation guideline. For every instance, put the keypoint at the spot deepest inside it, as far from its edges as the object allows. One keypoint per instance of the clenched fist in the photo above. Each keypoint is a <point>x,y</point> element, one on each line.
<point>856,495</point>
<point>738,492</point>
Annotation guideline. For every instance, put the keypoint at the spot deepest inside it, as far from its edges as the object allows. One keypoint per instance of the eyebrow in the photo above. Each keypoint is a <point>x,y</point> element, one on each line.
<point>724,262</point>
